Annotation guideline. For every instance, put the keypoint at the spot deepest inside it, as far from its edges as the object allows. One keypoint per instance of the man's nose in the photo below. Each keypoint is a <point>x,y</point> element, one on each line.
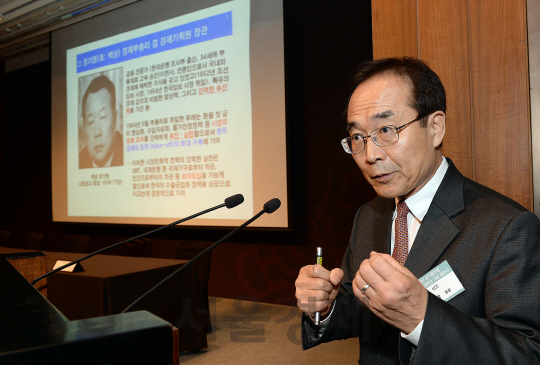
<point>373,152</point>
<point>97,129</point>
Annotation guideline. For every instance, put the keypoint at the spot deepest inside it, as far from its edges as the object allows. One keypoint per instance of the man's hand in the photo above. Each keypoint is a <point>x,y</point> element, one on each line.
<point>395,295</point>
<point>317,288</point>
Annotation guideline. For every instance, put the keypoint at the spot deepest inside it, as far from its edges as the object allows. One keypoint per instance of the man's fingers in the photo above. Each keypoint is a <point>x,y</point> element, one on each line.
<point>379,271</point>
<point>316,287</point>
<point>314,290</point>
<point>336,276</point>
<point>386,266</point>
<point>316,271</point>
<point>356,286</point>
<point>392,261</point>
<point>367,275</point>
<point>315,295</point>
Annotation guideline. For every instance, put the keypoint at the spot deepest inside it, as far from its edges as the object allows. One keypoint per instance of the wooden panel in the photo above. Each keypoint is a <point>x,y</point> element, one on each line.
<point>443,43</point>
<point>533,14</point>
<point>30,268</point>
<point>479,49</point>
<point>500,96</point>
<point>394,28</point>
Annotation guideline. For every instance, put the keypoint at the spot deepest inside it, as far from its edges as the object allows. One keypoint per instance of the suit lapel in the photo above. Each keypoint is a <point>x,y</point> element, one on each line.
<point>379,235</point>
<point>383,223</point>
<point>437,230</point>
<point>435,234</point>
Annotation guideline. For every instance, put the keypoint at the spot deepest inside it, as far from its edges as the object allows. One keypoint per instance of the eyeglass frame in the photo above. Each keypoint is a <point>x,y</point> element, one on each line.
<point>345,146</point>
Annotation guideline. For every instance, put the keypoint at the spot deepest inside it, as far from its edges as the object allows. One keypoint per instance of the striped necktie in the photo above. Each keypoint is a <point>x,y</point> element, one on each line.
<point>401,244</point>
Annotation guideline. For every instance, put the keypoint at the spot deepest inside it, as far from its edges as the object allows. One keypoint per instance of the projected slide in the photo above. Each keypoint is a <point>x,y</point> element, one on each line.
<point>160,118</point>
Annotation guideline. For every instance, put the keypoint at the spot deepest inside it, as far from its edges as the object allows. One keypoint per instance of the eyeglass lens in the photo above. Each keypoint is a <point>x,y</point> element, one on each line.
<point>383,136</point>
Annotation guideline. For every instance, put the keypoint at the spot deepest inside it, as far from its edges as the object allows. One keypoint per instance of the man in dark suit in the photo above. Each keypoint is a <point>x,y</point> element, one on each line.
<point>104,145</point>
<point>428,217</point>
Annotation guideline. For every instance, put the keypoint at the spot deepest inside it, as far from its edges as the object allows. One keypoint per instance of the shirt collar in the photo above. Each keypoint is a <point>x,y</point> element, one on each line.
<point>419,203</point>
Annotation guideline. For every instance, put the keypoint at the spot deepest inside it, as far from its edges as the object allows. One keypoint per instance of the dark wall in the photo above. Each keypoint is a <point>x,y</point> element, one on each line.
<point>26,151</point>
<point>324,41</point>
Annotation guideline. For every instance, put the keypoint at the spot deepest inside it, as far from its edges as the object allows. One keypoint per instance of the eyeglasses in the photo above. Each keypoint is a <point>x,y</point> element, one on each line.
<point>383,136</point>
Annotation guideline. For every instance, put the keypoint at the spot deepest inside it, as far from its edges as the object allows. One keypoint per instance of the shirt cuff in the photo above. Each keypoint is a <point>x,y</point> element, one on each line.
<point>324,322</point>
<point>414,336</point>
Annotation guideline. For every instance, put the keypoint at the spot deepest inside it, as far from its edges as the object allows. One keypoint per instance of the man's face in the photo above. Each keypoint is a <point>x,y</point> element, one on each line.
<point>99,123</point>
<point>401,169</point>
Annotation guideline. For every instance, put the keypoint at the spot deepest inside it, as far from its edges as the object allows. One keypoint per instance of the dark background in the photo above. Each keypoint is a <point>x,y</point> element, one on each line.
<point>324,42</point>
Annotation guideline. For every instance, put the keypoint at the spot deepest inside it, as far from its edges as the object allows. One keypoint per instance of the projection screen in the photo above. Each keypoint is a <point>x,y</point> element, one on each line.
<point>161,109</point>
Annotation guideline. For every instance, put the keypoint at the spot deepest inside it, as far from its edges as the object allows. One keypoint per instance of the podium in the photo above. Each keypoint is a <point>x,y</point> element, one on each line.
<point>32,330</point>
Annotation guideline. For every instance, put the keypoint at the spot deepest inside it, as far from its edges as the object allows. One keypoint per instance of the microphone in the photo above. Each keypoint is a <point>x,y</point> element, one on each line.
<point>272,205</point>
<point>230,202</point>
<point>269,207</point>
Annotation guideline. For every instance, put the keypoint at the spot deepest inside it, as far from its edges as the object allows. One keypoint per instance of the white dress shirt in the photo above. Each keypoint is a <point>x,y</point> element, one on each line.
<point>418,206</point>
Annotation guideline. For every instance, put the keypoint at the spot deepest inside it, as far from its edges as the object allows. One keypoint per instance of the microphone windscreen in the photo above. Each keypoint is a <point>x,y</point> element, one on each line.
<point>234,200</point>
<point>272,205</point>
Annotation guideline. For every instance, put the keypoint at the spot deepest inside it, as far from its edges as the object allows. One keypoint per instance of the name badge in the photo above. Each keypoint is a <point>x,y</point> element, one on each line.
<point>442,282</point>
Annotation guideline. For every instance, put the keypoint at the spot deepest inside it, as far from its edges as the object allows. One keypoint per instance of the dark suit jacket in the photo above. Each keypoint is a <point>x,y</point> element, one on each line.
<point>85,161</point>
<point>492,244</point>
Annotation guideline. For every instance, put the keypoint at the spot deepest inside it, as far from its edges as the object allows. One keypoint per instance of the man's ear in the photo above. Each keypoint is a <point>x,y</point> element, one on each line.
<point>438,127</point>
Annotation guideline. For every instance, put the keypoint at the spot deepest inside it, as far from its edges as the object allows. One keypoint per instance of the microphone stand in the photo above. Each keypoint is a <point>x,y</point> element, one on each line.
<point>187,264</point>
<point>126,241</point>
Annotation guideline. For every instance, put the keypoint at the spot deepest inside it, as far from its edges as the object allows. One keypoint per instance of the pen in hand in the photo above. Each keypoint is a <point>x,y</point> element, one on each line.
<point>317,318</point>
